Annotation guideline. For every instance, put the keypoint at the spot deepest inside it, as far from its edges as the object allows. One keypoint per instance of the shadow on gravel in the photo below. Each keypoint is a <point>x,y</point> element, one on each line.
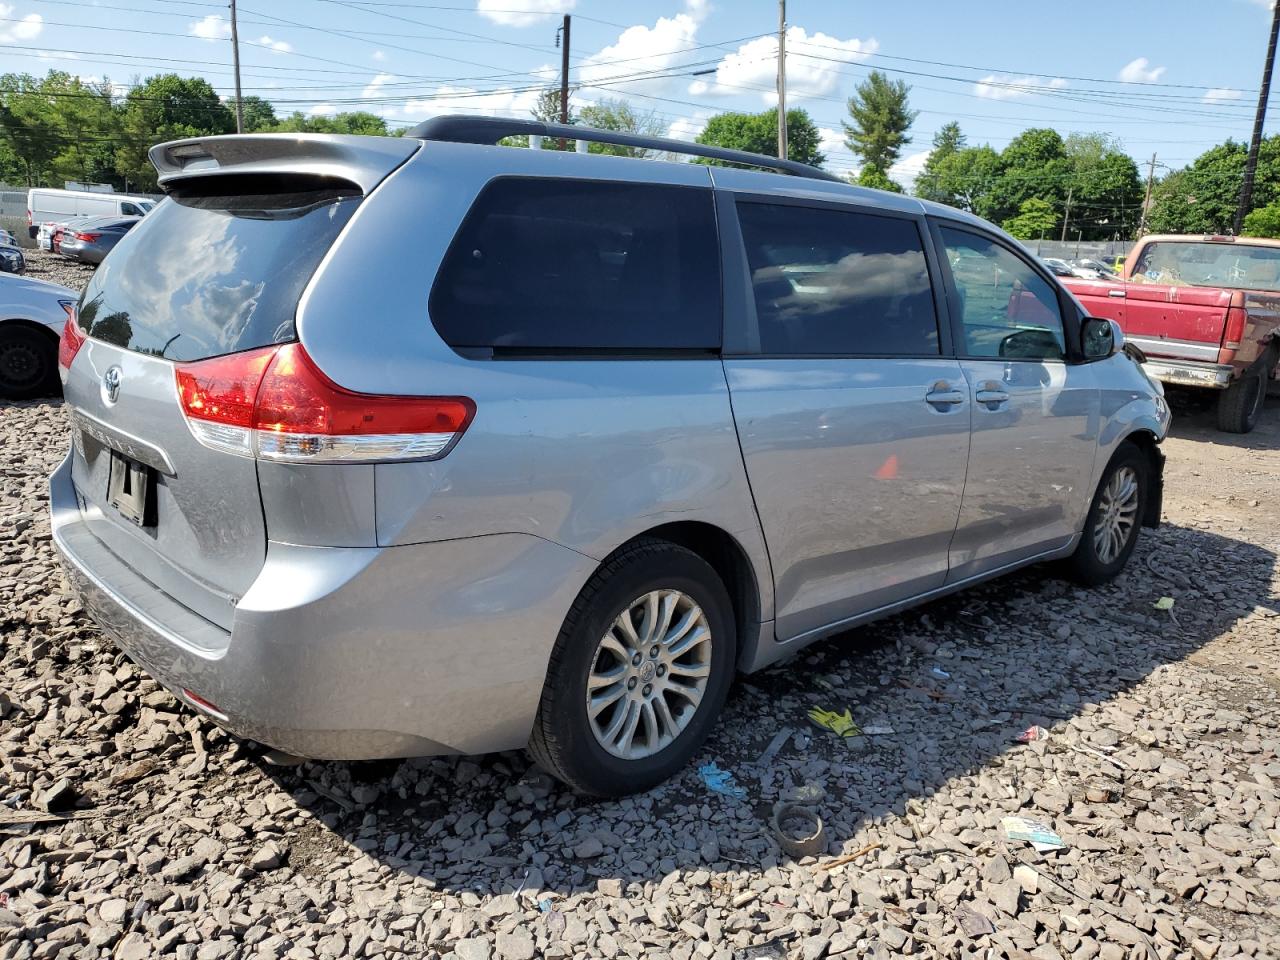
<point>1027,649</point>
<point>1195,418</point>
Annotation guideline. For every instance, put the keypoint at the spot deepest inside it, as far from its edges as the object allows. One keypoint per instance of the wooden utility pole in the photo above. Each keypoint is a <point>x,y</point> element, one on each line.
<point>1251,164</point>
<point>564,75</point>
<point>235,56</point>
<point>1066,216</point>
<point>1146,204</point>
<point>782,79</point>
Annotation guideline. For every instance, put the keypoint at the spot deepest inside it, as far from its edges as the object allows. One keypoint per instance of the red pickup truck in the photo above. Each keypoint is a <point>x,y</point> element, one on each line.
<point>1206,312</point>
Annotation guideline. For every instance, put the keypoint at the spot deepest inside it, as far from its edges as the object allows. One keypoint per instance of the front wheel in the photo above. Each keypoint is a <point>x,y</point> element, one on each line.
<point>1241,403</point>
<point>1111,527</point>
<point>28,363</point>
<point>639,672</point>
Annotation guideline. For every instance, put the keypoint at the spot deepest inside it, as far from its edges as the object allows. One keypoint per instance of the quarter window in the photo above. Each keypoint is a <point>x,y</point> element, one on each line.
<point>544,266</point>
<point>1007,310</point>
<point>837,282</point>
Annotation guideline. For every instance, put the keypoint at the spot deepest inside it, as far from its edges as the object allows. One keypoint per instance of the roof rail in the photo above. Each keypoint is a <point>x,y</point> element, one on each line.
<point>462,128</point>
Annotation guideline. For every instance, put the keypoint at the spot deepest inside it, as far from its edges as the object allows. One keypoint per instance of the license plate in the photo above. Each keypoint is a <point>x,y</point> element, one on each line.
<point>129,489</point>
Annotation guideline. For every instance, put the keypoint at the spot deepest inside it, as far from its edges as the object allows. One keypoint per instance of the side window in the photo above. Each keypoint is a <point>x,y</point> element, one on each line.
<point>1006,308</point>
<point>837,282</point>
<point>544,265</point>
<point>129,210</point>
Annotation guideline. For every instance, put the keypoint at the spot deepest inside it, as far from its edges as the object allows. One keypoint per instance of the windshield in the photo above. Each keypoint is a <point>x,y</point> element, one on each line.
<point>1208,264</point>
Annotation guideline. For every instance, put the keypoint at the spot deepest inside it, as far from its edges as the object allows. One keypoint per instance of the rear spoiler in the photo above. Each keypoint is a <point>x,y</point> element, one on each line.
<point>364,161</point>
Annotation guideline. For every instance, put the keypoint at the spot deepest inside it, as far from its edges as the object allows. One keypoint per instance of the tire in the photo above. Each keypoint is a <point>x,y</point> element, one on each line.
<point>1093,564</point>
<point>1241,403</point>
<point>28,363</point>
<point>565,740</point>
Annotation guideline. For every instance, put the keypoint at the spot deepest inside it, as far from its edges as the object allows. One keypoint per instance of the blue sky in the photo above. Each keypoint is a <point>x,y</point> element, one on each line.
<point>1171,77</point>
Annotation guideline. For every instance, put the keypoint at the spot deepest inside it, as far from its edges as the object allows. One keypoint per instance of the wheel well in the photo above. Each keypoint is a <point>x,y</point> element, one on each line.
<point>30,325</point>
<point>727,558</point>
<point>1145,441</point>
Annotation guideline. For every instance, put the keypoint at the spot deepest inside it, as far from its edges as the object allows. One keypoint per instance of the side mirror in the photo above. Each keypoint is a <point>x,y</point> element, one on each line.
<point>1101,338</point>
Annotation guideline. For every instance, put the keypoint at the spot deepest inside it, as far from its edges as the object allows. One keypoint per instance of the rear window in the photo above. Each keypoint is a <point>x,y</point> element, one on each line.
<point>576,266</point>
<point>216,268</point>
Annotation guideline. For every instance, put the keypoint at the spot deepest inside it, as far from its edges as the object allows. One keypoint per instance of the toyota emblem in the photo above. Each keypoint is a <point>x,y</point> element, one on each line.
<point>111,384</point>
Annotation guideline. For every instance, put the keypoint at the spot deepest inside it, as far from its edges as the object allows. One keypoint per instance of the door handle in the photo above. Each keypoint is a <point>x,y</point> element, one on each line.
<point>992,397</point>
<point>1115,293</point>
<point>943,396</point>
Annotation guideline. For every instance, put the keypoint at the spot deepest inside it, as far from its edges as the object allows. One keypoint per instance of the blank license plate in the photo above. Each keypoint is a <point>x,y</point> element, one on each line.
<point>129,488</point>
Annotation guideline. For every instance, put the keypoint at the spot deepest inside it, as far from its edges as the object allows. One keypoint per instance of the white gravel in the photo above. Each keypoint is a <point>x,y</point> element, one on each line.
<point>1160,774</point>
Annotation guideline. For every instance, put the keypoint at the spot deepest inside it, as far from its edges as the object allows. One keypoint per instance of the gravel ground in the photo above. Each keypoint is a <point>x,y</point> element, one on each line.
<point>1159,772</point>
<point>42,265</point>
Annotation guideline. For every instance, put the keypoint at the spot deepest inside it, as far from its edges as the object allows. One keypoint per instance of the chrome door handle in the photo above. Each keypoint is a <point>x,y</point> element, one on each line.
<point>1115,293</point>
<point>991,396</point>
<point>944,397</point>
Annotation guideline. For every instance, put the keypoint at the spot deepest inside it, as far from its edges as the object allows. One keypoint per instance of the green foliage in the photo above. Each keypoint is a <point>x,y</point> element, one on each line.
<point>619,115</point>
<point>965,179</point>
<point>166,107</point>
<point>547,109</point>
<point>259,115</point>
<point>1036,218</point>
<point>881,119</point>
<point>359,122</point>
<point>758,133</point>
<point>876,179</point>
<point>1202,198</point>
<point>947,142</point>
<point>56,128</point>
<point>1263,222</point>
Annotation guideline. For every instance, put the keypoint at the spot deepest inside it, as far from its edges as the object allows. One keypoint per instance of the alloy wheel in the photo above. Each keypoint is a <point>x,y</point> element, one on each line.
<point>1117,514</point>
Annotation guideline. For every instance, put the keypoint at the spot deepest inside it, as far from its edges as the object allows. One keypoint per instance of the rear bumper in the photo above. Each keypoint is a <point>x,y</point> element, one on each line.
<point>348,653</point>
<point>1191,373</point>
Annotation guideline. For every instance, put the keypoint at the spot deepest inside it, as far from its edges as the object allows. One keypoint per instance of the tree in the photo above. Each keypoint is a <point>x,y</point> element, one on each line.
<point>359,122</point>
<point>57,128</point>
<point>547,109</point>
<point>618,115</point>
<point>1263,221</point>
<point>1035,219</point>
<point>1105,187</point>
<point>881,119</point>
<point>947,142</point>
<point>966,179</point>
<point>758,133</point>
<point>259,115</point>
<point>166,107</point>
<point>869,176</point>
<point>1202,198</point>
<point>28,126</point>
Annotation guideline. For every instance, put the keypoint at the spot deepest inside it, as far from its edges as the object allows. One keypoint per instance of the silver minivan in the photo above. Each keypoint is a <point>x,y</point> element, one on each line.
<point>398,446</point>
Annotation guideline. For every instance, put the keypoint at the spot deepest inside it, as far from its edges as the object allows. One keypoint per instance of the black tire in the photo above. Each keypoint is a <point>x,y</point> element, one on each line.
<point>1241,403</point>
<point>1086,566</point>
<point>563,741</point>
<point>28,363</point>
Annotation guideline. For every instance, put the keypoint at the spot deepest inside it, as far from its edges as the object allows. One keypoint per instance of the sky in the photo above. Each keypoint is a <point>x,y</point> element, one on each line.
<point>1169,77</point>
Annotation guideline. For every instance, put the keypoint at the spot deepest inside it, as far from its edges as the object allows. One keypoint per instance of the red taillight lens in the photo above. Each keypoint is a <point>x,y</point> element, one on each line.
<point>276,404</point>
<point>86,237</point>
<point>70,342</point>
<point>1232,333</point>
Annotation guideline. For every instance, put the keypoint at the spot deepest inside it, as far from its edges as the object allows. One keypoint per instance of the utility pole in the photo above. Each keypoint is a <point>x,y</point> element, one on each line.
<point>1251,164</point>
<point>1066,216</point>
<point>1146,204</point>
<point>564,75</point>
<point>782,79</point>
<point>235,56</point>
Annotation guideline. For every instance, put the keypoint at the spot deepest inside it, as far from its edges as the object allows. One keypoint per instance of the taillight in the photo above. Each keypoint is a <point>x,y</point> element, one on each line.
<point>70,342</point>
<point>275,404</point>
<point>28,218</point>
<point>86,237</point>
<point>1232,333</point>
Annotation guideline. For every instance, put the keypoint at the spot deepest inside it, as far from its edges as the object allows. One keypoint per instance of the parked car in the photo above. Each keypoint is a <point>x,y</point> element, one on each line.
<point>1096,269</point>
<point>7,239</point>
<point>1059,268</point>
<point>1206,312</point>
<point>44,203</point>
<point>32,314</point>
<point>92,239</point>
<point>611,431</point>
<point>12,259</point>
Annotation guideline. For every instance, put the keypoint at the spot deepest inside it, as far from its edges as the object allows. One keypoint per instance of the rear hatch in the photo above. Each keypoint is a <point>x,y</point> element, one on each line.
<point>215,270</point>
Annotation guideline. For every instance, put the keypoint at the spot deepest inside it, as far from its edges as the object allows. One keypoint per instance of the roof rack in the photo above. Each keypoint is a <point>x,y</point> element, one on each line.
<point>461,128</point>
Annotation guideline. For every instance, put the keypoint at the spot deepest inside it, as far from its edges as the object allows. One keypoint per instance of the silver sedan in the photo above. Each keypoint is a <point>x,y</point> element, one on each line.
<point>32,315</point>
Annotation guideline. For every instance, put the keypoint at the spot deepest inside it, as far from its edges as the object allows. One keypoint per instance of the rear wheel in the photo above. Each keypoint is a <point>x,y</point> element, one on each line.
<point>639,672</point>
<point>28,363</point>
<point>1241,403</point>
<point>1111,528</point>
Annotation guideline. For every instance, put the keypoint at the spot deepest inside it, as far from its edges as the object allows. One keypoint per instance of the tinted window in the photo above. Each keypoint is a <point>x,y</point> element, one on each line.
<point>130,209</point>
<point>834,282</point>
<point>576,265</point>
<point>1006,308</point>
<point>212,271</point>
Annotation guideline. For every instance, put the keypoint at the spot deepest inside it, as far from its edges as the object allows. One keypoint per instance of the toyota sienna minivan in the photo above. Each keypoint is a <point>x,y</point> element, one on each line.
<point>599,434</point>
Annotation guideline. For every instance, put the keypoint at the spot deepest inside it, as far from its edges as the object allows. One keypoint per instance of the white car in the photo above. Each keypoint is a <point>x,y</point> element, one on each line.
<point>32,315</point>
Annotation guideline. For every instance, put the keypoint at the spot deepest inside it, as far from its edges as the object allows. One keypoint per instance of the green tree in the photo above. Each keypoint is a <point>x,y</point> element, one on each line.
<point>57,128</point>
<point>620,116</point>
<point>259,115</point>
<point>1034,164</point>
<point>28,126</point>
<point>876,179</point>
<point>547,109</point>
<point>881,118</point>
<point>1263,221</point>
<point>967,178</point>
<point>758,133</point>
<point>166,107</point>
<point>1036,218</point>
<point>947,142</point>
<point>1202,197</point>
<point>1104,186</point>
<point>359,122</point>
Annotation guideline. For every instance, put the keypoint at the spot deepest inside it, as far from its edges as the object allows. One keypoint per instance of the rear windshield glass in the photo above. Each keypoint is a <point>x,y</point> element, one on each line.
<point>216,268</point>
<point>1204,264</point>
<point>576,266</point>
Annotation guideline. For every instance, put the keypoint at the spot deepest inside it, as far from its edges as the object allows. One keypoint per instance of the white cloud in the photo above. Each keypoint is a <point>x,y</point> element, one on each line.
<point>908,168</point>
<point>1221,95</point>
<point>321,109</point>
<point>372,87</point>
<point>1140,71</point>
<point>698,9</point>
<point>447,98</point>
<point>14,29</point>
<point>1004,87</point>
<point>379,55</point>
<point>753,66</point>
<point>212,27</point>
<point>522,13</point>
<point>644,50</point>
<point>831,144</point>
<point>277,46</point>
